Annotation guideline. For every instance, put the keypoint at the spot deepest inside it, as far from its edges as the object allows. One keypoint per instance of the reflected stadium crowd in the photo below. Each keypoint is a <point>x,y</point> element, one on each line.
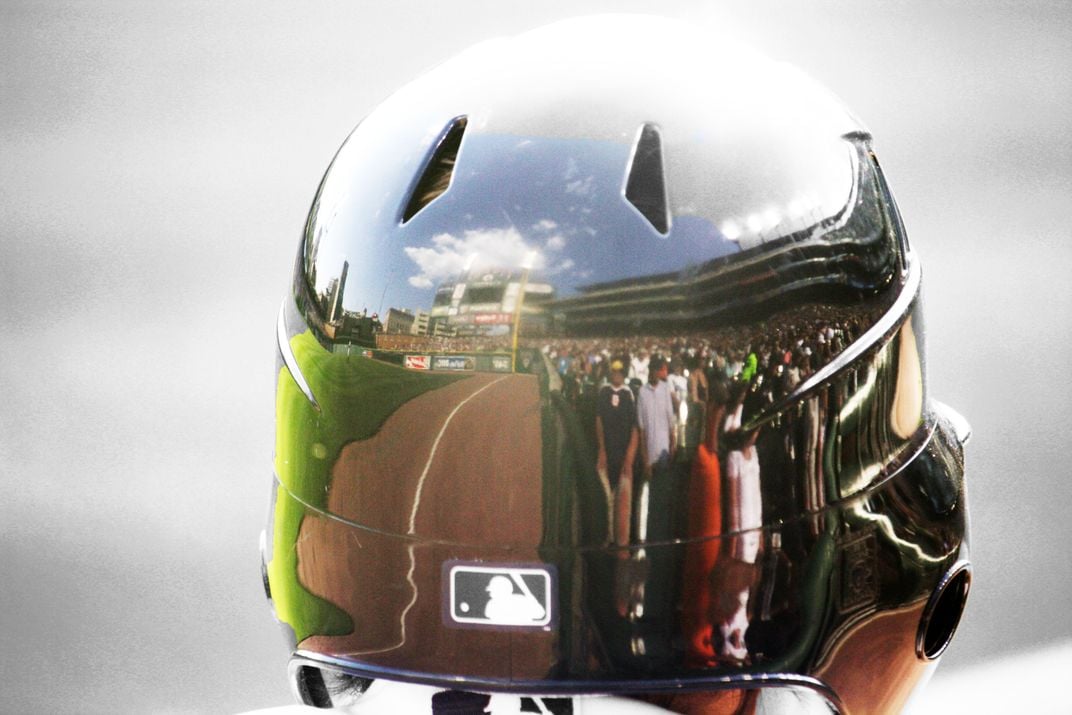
<point>670,415</point>
<point>773,361</point>
<point>733,365</point>
<point>444,344</point>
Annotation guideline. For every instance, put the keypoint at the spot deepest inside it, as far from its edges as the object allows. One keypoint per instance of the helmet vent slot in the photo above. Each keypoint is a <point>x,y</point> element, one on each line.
<point>434,180</point>
<point>645,185</point>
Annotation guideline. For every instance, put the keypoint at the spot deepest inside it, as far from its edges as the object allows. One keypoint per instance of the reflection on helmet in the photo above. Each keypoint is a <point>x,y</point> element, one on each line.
<point>647,405</point>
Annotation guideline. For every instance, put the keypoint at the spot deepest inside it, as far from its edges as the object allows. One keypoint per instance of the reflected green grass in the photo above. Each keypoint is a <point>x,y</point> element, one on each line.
<point>356,396</point>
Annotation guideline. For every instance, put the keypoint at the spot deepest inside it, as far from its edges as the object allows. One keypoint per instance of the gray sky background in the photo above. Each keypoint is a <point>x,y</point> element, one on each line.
<point>156,164</point>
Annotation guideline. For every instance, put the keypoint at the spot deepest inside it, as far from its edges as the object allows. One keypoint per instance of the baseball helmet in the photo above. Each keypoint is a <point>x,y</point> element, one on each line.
<point>495,485</point>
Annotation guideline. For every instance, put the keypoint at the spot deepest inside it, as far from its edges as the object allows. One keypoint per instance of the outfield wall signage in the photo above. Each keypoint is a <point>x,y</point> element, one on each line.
<point>452,362</point>
<point>417,362</point>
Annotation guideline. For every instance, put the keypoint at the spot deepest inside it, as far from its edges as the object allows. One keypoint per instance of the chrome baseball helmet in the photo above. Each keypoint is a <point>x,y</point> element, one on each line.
<point>602,371</point>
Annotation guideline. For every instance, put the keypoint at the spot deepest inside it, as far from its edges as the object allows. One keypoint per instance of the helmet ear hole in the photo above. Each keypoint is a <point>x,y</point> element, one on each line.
<point>942,615</point>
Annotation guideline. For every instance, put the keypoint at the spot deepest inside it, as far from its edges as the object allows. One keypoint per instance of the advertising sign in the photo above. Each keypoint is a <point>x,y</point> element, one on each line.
<point>452,362</point>
<point>417,362</point>
<point>491,318</point>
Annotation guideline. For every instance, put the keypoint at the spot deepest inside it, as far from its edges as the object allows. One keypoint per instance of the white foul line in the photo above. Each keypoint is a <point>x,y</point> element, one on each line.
<point>413,514</point>
<point>431,455</point>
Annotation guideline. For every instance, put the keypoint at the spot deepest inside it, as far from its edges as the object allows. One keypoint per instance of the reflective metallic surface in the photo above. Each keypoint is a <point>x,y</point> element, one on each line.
<point>664,380</point>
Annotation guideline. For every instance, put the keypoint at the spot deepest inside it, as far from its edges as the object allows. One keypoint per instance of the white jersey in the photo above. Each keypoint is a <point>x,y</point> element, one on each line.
<point>746,509</point>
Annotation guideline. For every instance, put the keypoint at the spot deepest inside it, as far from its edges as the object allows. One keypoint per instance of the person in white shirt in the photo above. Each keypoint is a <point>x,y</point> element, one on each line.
<point>655,416</point>
<point>639,366</point>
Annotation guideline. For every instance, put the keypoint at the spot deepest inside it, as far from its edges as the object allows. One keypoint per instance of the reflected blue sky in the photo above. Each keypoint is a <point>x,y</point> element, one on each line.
<point>568,221</point>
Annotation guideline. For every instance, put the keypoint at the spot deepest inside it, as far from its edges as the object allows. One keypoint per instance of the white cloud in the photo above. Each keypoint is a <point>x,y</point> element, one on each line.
<point>545,224</point>
<point>574,185</point>
<point>556,243</point>
<point>581,187</point>
<point>490,249</point>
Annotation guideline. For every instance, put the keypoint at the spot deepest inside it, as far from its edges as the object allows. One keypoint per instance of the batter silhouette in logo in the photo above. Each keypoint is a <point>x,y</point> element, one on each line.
<point>507,607</point>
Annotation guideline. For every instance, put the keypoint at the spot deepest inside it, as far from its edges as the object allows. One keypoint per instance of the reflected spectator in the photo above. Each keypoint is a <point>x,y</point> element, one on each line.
<point>697,402</point>
<point>679,392</point>
<point>617,436</point>
<point>704,525</point>
<point>655,416</point>
<point>639,366</point>
<point>744,519</point>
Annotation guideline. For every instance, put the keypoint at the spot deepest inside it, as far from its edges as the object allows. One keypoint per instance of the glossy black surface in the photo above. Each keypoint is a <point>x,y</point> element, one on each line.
<point>492,271</point>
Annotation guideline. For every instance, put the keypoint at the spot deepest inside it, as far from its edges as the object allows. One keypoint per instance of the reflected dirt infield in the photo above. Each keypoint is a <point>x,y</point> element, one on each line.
<point>473,476</point>
<point>469,484</point>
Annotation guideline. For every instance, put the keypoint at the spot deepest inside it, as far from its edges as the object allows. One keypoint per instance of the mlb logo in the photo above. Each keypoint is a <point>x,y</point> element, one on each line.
<point>494,596</point>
